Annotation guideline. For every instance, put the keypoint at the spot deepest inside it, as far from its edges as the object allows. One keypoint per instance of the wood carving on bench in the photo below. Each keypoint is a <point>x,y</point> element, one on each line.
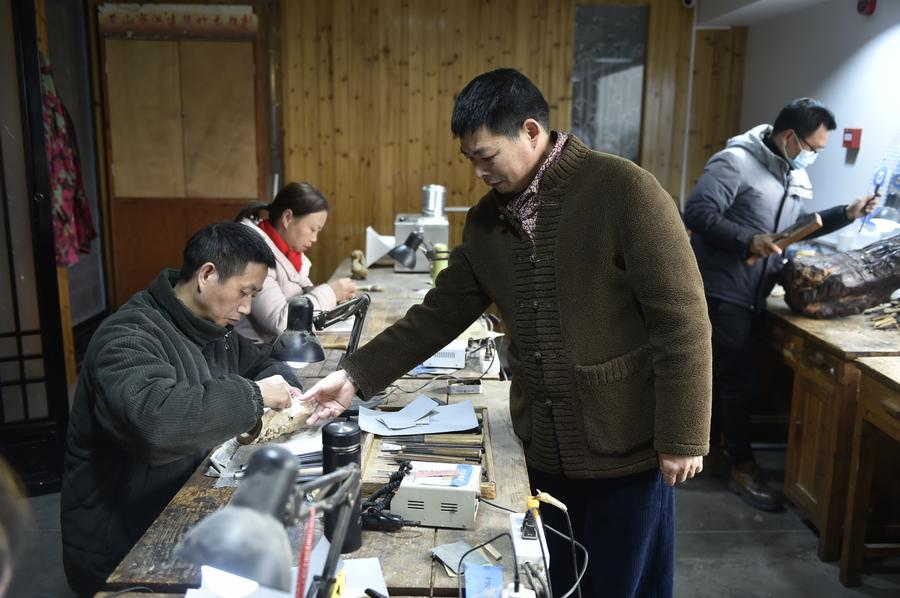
<point>842,284</point>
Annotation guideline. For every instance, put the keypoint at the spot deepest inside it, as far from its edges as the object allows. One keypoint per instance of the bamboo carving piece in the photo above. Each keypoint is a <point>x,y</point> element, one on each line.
<point>842,284</point>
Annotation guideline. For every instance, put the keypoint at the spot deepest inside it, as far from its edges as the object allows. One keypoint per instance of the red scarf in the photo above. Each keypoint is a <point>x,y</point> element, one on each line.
<point>295,257</point>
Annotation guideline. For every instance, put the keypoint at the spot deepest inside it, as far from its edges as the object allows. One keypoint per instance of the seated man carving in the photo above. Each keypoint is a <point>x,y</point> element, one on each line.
<point>164,380</point>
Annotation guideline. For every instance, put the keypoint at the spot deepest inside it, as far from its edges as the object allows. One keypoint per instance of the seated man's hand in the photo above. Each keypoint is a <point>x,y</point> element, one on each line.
<point>332,394</point>
<point>678,468</point>
<point>764,245</point>
<point>276,392</point>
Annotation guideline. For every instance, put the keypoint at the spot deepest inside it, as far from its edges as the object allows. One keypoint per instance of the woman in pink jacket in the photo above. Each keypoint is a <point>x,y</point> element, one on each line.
<point>294,219</point>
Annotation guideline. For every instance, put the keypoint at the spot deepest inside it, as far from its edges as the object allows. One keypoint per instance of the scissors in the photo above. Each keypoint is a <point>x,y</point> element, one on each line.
<point>878,180</point>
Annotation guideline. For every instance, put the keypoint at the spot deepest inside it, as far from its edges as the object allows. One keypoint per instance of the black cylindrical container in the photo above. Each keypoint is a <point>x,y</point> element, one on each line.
<point>340,446</point>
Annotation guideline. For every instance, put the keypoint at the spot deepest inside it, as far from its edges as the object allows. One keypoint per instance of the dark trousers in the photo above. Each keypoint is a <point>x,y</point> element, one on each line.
<point>627,525</point>
<point>734,375</point>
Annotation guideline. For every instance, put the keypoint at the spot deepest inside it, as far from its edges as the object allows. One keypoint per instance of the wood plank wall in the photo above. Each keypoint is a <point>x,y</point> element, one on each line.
<point>716,105</point>
<point>369,88</point>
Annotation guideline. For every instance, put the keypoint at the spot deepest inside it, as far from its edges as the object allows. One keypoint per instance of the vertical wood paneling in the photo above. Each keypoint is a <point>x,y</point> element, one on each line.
<point>371,83</point>
<point>218,106</point>
<point>145,124</point>
<point>716,106</point>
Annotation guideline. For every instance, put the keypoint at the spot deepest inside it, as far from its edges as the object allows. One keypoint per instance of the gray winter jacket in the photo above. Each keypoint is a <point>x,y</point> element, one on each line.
<point>746,190</point>
<point>159,387</point>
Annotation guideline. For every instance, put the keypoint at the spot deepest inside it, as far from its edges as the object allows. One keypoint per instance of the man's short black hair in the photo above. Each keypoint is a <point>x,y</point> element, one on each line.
<point>500,101</point>
<point>229,246</point>
<point>804,116</point>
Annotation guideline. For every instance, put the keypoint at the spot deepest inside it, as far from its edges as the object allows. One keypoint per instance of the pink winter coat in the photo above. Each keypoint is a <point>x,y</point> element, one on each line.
<point>268,313</point>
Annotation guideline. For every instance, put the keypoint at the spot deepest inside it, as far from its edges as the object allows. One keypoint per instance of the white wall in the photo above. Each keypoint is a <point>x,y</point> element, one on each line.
<point>849,62</point>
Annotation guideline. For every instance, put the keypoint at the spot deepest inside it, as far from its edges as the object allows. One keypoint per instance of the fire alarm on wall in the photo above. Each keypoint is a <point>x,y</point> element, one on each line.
<point>865,7</point>
<point>852,138</point>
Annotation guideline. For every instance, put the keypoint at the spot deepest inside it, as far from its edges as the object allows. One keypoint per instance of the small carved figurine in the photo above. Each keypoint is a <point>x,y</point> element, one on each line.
<point>358,269</point>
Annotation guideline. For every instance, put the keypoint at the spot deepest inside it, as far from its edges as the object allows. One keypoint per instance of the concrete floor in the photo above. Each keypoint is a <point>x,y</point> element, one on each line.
<point>723,549</point>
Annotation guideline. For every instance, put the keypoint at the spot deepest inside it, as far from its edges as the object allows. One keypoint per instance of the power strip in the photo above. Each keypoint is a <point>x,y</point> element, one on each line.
<point>528,549</point>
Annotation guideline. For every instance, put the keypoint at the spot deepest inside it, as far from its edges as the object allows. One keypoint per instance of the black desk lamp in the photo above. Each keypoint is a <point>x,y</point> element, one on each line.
<point>405,254</point>
<point>298,343</point>
<point>247,537</point>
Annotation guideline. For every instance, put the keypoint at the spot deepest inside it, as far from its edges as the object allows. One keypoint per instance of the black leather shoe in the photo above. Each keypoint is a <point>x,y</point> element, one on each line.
<point>749,482</point>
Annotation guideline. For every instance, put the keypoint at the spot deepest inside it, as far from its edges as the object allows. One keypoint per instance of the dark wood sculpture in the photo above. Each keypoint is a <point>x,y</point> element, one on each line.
<point>842,284</point>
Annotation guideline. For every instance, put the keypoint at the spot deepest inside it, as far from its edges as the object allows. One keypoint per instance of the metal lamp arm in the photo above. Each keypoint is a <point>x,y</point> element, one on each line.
<point>342,499</point>
<point>346,479</point>
<point>428,249</point>
<point>357,306</point>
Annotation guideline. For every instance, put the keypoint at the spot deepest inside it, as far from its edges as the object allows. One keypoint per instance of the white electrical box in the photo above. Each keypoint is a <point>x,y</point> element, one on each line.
<point>529,549</point>
<point>452,356</point>
<point>439,494</point>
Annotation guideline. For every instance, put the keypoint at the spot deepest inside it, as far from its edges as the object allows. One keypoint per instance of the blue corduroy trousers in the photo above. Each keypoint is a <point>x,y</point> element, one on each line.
<point>627,525</point>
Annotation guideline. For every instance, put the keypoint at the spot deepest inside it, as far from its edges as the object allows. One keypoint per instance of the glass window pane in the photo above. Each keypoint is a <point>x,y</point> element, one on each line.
<point>608,77</point>
<point>9,371</point>
<point>37,401</point>
<point>13,410</point>
<point>34,368</point>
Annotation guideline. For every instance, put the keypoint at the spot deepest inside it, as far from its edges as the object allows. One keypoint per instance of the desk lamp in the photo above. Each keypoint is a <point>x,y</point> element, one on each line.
<point>298,344</point>
<point>405,254</point>
<point>247,538</point>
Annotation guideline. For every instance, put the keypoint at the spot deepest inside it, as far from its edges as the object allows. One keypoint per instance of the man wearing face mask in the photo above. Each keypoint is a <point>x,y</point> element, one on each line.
<point>749,192</point>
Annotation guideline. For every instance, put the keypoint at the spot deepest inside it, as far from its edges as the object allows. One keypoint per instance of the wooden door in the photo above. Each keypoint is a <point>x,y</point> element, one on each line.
<point>182,146</point>
<point>810,433</point>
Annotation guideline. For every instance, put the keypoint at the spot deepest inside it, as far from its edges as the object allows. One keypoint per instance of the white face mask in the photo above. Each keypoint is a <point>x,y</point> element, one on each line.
<point>802,160</point>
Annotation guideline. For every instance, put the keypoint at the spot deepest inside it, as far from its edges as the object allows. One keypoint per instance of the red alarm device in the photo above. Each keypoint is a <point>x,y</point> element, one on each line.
<point>865,7</point>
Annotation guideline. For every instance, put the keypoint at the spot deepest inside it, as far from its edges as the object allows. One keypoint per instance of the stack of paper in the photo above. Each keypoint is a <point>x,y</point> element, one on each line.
<point>422,416</point>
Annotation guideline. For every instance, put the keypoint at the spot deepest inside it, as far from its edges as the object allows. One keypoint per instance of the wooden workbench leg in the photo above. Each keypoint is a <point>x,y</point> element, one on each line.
<point>859,492</point>
<point>837,474</point>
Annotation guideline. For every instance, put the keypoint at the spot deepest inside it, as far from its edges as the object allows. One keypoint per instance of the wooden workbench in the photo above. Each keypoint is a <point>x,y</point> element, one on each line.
<point>400,291</point>
<point>822,355</point>
<point>405,556</point>
<point>874,468</point>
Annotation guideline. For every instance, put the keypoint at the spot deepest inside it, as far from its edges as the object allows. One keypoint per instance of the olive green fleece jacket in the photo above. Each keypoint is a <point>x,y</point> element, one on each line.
<point>159,387</point>
<point>610,339</point>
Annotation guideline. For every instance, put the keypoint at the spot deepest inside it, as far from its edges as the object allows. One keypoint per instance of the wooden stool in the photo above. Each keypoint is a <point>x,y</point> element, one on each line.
<point>878,413</point>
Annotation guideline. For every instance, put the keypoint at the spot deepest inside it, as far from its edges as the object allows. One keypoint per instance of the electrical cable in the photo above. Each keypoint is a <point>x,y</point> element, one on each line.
<point>305,552</point>
<point>574,556</point>
<point>536,515</point>
<point>578,579</point>
<point>544,590</point>
<point>571,539</point>
<point>546,583</point>
<point>531,580</point>
<point>549,499</point>
<point>459,573</point>
<point>438,377</point>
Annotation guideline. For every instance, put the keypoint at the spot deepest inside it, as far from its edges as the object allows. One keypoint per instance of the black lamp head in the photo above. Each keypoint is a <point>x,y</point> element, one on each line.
<point>405,254</point>
<point>247,538</point>
<point>297,343</point>
<point>297,346</point>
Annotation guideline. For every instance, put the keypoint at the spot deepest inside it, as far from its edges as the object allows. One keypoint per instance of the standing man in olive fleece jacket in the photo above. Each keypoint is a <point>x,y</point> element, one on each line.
<point>586,258</point>
<point>164,381</point>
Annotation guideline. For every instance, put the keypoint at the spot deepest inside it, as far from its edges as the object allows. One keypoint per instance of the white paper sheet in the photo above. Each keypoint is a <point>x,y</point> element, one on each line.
<point>407,417</point>
<point>444,418</point>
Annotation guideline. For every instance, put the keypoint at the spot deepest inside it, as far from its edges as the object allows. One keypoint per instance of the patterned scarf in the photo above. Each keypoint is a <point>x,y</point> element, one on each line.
<point>295,257</point>
<point>526,206</point>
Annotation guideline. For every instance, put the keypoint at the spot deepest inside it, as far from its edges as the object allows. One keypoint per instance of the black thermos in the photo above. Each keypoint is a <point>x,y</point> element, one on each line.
<point>340,446</point>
